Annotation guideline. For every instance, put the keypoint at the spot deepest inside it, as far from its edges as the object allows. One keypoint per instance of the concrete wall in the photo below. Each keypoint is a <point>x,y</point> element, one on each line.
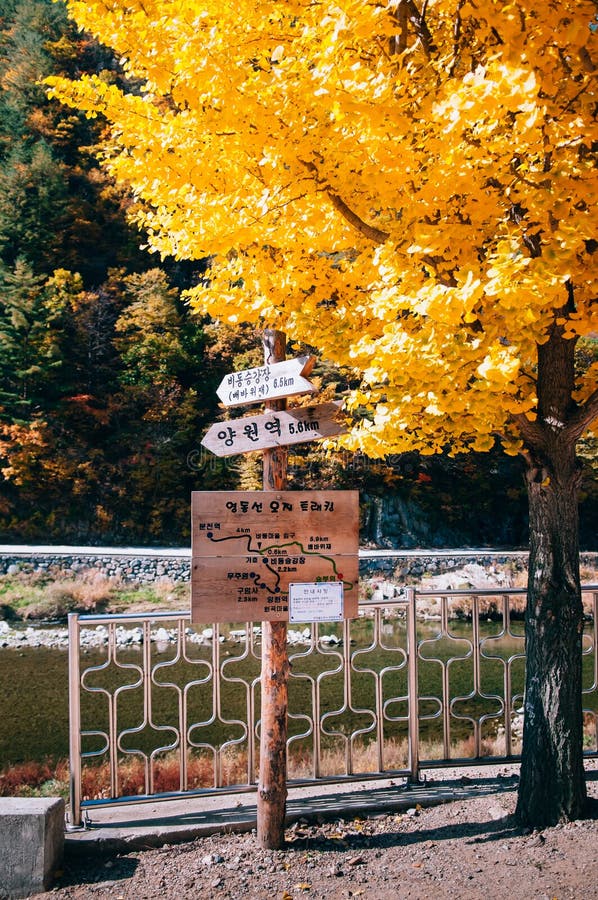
<point>131,565</point>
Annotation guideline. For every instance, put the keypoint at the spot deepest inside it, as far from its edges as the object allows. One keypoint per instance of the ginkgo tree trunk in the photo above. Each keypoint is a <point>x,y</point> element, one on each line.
<point>552,785</point>
<point>413,189</point>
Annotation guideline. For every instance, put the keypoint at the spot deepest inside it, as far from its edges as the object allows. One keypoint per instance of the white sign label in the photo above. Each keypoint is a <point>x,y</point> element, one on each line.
<point>321,601</point>
<point>281,379</point>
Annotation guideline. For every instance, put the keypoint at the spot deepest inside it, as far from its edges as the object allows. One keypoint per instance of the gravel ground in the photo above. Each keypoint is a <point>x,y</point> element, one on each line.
<point>468,849</point>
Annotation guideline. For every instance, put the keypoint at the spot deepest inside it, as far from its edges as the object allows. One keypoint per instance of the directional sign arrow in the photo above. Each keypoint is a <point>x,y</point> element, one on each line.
<point>282,379</point>
<point>273,429</point>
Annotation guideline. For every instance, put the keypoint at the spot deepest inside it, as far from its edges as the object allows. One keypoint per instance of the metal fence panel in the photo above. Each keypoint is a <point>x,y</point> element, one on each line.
<point>162,709</point>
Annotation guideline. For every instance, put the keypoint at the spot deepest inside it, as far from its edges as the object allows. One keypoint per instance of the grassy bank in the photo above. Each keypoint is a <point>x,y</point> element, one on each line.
<point>51,596</point>
<point>29,596</point>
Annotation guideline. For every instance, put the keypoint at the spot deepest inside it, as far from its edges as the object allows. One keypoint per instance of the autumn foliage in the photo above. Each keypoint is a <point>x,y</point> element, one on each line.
<point>416,195</point>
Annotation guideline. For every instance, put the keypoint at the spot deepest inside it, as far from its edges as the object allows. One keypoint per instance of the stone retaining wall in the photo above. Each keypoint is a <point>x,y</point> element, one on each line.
<point>137,567</point>
<point>145,566</point>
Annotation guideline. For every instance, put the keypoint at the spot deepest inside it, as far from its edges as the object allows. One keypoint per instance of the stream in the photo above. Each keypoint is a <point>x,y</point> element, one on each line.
<point>34,688</point>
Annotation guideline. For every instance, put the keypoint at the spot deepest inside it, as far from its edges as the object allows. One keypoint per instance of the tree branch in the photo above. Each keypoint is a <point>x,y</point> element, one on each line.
<point>533,433</point>
<point>369,231</point>
<point>456,38</point>
<point>401,14</point>
<point>585,415</point>
<point>421,27</point>
<point>406,11</point>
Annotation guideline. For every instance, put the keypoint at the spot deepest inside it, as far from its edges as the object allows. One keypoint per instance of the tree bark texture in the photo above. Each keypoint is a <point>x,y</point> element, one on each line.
<point>552,783</point>
<point>272,786</point>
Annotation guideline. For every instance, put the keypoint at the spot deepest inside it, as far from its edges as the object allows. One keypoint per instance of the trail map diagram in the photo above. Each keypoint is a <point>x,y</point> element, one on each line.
<point>274,559</point>
<point>248,546</point>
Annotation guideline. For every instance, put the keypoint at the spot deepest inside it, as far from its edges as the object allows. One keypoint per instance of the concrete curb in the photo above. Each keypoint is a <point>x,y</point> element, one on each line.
<point>32,841</point>
<point>140,826</point>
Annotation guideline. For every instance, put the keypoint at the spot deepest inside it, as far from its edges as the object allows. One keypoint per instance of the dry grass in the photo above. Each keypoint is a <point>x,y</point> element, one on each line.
<point>52,779</point>
<point>53,595</point>
<point>36,595</point>
<point>35,779</point>
<point>42,779</point>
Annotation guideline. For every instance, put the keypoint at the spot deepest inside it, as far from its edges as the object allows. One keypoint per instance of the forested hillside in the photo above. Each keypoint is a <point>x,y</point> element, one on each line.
<point>107,382</point>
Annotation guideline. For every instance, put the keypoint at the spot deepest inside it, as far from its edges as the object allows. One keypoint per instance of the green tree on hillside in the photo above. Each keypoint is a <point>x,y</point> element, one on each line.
<point>93,445</point>
<point>57,208</point>
<point>31,351</point>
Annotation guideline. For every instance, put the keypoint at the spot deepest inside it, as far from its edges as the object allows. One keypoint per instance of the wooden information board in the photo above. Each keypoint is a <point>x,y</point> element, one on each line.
<point>248,546</point>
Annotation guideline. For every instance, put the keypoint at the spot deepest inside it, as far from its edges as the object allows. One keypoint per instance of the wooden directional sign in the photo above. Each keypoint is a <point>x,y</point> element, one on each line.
<point>273,429</point>
<point>268,382</point>
<point>249,546</point>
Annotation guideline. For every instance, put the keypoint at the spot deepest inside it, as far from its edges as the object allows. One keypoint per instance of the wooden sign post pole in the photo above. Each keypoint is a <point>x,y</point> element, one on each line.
<point>272,786</point>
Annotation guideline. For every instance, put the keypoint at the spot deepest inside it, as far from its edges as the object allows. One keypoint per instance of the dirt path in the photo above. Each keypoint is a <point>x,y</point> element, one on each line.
<point>469,849</point>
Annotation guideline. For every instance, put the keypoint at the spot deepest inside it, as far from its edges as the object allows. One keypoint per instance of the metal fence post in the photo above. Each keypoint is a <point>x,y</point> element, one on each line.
<point>412,687</point>
<point>74,721</point>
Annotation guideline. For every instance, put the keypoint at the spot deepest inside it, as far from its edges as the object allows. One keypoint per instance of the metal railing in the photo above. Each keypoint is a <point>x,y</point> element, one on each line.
<point>428,679</point>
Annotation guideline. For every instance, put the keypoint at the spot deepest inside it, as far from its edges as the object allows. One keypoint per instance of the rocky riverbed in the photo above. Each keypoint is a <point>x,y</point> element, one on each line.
<point>379,591</point>
<point>58,638</point>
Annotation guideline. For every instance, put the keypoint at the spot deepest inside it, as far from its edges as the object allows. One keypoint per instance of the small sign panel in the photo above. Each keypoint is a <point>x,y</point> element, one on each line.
<point>316,602</point>
<point>269,382</point>
<point>249,546</point>
<point>273,429</point>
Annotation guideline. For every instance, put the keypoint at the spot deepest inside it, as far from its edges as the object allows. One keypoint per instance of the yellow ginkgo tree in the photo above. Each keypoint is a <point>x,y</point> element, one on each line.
<point>411,186</point>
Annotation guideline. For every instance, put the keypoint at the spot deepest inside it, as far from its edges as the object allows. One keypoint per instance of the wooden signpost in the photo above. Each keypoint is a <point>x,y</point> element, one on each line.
<point>274,680</point>
<point>275,428</point>
<point>250,549</point>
